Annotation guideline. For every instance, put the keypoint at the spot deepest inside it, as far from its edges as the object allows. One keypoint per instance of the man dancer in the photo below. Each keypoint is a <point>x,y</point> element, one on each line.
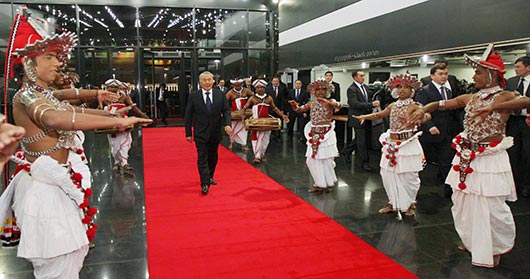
<point>262,104</point>
<point>237,97</point>
<point>49,199</point>
<point>207,112</point>
<point>481,177</point>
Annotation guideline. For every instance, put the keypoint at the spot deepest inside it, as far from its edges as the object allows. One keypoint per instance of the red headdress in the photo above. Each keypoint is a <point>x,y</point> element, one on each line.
<point>406,79</point>
<point>320,84</point>
<point>490,60</point>
<point>28,38</point>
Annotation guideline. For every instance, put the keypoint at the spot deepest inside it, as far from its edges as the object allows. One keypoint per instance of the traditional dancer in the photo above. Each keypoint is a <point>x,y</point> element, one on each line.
<point>401,155</point>
<point>237,96</point>
<point>320,134</point>
<point>48,195</point>
<point>482,178</point>
<point>261,104</point>
<point>120,142</point>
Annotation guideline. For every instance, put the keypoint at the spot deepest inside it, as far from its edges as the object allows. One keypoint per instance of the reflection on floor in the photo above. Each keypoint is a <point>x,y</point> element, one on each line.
<point>425,245</point>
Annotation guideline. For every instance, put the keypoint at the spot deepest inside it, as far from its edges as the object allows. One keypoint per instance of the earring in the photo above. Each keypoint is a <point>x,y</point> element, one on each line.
<point>29,70</point>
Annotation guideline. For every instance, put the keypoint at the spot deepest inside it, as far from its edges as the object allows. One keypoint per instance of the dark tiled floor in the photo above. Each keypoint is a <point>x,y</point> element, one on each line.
<point>425,245</point>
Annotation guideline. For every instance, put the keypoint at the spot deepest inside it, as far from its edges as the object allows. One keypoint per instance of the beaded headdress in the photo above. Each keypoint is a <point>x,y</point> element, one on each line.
<point>490,60</point>
<point>259,82</point>
<point>320,84</point>
<point>406,79</point>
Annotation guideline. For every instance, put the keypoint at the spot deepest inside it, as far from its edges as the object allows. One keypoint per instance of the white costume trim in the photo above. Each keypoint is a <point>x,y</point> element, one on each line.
<point>322,166</point>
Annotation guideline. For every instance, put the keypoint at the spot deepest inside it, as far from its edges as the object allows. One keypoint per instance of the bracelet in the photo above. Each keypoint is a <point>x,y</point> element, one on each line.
<point>441,103</point>
<point>83,110</point>
<point>73,118</point>
<point>113,111</point>
<point>76,92</point>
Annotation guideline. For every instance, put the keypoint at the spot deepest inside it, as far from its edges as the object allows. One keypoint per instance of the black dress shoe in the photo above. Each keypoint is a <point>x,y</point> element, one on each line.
<point>205,188</point>
<point>367,167</point>
<point>213,182</point>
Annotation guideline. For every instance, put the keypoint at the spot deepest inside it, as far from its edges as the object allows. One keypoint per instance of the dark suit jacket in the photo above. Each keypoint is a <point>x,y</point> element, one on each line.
<point>225,89</point>
<point>165,95</point>
<point>511,85</point>
<point>336,94</point>
<point>358,105</point>
<point>453,82</point>
<point>206,125</point>
<point>445,120</point>
<point>303,99</point>
<point>280,100</point>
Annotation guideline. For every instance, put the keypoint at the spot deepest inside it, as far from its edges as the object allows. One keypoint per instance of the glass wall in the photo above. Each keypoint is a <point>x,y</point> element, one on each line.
<point>162,27</point>
<point>107,25</point>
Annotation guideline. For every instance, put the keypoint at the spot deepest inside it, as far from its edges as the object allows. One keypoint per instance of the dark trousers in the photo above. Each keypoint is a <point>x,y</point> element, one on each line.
<point>162,107</point>
<point>520,151</point>
<point>441,153</point>
<point>207,155</point>
<point>300,123</point>
<point>360,143</point>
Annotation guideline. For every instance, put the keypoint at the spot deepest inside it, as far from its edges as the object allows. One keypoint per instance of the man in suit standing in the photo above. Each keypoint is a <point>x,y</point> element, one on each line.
<point>439,131</point>
<point>221,86</point>
<point>278,91</point>
<point>299,95</point>
<point>161,101</point>
<point>336,87</point>
<point>520,151</point>
<point>207,112</point>
<point>359,102</point>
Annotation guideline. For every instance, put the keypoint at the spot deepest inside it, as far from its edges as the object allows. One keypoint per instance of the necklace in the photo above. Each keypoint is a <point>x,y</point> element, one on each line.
<point>484,93</point>
<point>401,103</point>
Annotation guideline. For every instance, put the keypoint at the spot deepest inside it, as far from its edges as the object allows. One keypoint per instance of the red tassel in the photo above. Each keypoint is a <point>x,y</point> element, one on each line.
<point>398,143</point>
<point>310,141</point>
<point>88,192</point>
<point>453,146</point>
<point>473,155</point>
<point>321,136</point>
<point>495,143</point>
<point>79,151</point>
<point>462,185</point>
<point>393,157</point>
<point>317,143</point>
<point>387,156</point>
<point>77,176</point>
<point>384,142</point>
<point>83,158</point>
<point>86,220</point>
<point>84,204</point>
<point>456,168</point>
<point>92,211</point>
<point>313,156</point>
<point>458,138</point>
<point>310,134</point>
<point>458,154</point>
<point>469,170</point>
<point>394,163</point>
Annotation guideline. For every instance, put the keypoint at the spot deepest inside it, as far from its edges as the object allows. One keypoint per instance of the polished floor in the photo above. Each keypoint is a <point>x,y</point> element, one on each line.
<point>425,245</point>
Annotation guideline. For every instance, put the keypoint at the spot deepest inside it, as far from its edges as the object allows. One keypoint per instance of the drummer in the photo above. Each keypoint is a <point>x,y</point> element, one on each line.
<point>237,96</point>
<point>262,104</point>
<point>120,142</point>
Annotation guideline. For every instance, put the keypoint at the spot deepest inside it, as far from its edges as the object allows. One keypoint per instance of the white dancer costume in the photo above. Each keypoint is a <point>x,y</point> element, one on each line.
<point>321,146</point>
<point>239,134</point>
<point>401,159</point>
<point>482,182</point>
<point>260,139</point>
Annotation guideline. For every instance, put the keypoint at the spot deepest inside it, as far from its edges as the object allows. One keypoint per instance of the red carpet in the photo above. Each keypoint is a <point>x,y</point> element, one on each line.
<point>248,226</point>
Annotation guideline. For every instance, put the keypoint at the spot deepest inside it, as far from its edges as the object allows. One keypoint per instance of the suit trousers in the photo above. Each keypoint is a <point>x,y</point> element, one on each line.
<point>300,123</point>
<point>520,151</point>
<point>441,153</point>
<point>162,107</point>
<point>207,155</point>
<point>360,143</point>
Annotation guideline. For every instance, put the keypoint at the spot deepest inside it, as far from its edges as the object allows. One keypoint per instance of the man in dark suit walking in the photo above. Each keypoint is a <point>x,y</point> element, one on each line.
<point>161,101</point>
<point>299,95</point>
<point>336,87</point>
<point>278,91</point>
<point>359,102</point>
<point>207,112</point>
<point>438,132</point>
<point>222,87</point>
<point>515,127</point>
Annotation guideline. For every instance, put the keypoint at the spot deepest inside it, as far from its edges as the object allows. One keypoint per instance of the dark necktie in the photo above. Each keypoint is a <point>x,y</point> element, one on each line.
<point>364,93</point>
<point>442,93</point>
<point>297,97</point>
<point>275,91</point>
<point>208,101</point>
<point>520,87</point>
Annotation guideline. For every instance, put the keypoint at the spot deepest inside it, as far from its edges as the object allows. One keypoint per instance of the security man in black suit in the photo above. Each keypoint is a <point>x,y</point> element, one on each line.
<point>301,96</point>
<point>207,112</point>
<point>161,101</point>
<point>359,102</point>
<point>336,87</point>
<point>439,132</point>
<point>515,127</point>
<point>278,91</point>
